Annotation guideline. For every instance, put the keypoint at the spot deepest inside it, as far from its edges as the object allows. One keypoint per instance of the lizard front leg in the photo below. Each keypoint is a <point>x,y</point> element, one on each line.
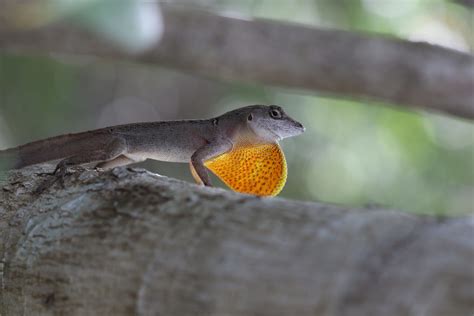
<point>206,152</point>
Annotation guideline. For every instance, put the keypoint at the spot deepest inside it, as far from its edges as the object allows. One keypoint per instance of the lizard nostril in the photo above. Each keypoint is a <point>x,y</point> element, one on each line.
<point>299,125</point>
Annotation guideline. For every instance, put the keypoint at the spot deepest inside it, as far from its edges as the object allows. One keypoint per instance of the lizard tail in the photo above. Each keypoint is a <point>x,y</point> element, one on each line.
<point>49,149</point>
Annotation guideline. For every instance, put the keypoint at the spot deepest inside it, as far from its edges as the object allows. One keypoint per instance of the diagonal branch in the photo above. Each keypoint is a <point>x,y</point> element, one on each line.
<point>336,62</point>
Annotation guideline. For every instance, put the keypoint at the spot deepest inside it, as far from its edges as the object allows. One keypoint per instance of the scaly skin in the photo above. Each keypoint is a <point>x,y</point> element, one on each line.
<point>240,146</point>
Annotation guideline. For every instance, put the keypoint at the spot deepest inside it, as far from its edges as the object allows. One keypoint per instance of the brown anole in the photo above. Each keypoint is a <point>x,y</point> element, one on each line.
<point>240,147</point>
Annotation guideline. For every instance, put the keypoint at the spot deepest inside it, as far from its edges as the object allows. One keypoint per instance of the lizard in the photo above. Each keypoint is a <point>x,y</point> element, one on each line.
<point>240,147</point>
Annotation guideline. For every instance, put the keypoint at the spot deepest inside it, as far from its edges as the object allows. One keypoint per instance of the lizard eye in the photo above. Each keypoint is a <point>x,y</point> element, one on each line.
<point>275,114</point>
<point>250,117</point>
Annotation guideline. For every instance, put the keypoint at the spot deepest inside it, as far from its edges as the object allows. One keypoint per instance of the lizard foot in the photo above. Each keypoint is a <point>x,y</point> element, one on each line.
<point>58,175</point>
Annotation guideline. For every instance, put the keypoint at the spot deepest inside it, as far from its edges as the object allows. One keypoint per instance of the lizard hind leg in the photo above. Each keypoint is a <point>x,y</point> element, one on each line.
<point>116,162</point>
<point>112,150</point>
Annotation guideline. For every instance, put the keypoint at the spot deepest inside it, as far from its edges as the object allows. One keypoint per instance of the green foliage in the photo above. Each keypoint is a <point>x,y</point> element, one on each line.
<point>362,154</point>
<point>133,25</point>
<point>34,93</point>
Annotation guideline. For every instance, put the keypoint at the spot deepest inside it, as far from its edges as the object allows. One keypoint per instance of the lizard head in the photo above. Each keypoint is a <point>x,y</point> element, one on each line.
<point>271,123</point>
<point>256,164</point>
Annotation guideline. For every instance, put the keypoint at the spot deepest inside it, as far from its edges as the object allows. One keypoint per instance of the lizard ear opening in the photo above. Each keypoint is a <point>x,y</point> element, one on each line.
<point>253,169</point>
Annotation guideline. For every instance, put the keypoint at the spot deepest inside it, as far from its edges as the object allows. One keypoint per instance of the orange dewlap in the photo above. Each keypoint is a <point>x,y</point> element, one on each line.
<point>253,169</point>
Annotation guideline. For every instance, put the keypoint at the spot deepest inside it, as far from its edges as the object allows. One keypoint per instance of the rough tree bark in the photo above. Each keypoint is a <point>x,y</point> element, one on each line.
<point>129,242</point>
<point>338,62</point>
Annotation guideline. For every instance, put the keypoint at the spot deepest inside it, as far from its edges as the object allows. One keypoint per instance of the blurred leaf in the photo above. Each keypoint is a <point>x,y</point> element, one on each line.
<point>133,25</point>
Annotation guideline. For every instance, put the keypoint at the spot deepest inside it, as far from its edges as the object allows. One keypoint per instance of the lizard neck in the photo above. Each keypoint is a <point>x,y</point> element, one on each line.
<point>245,137</point>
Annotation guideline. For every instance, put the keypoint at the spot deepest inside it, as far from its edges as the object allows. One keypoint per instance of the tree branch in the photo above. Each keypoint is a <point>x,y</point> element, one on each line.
<point>467,3</point>
<point>129,242</point>
<point>336,62</point>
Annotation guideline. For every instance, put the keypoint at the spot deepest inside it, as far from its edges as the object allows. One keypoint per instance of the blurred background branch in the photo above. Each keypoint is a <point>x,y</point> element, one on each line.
<point>468,3</point>
<point>337,62</point>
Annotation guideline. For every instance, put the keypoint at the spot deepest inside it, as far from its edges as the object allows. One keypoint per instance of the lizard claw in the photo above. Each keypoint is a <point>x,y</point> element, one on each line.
<point>208,183</point>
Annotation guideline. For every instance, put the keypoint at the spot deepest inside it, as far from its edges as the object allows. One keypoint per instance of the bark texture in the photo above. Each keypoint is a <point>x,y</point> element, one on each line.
<point>268,52</point>
<point>128,242</point>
